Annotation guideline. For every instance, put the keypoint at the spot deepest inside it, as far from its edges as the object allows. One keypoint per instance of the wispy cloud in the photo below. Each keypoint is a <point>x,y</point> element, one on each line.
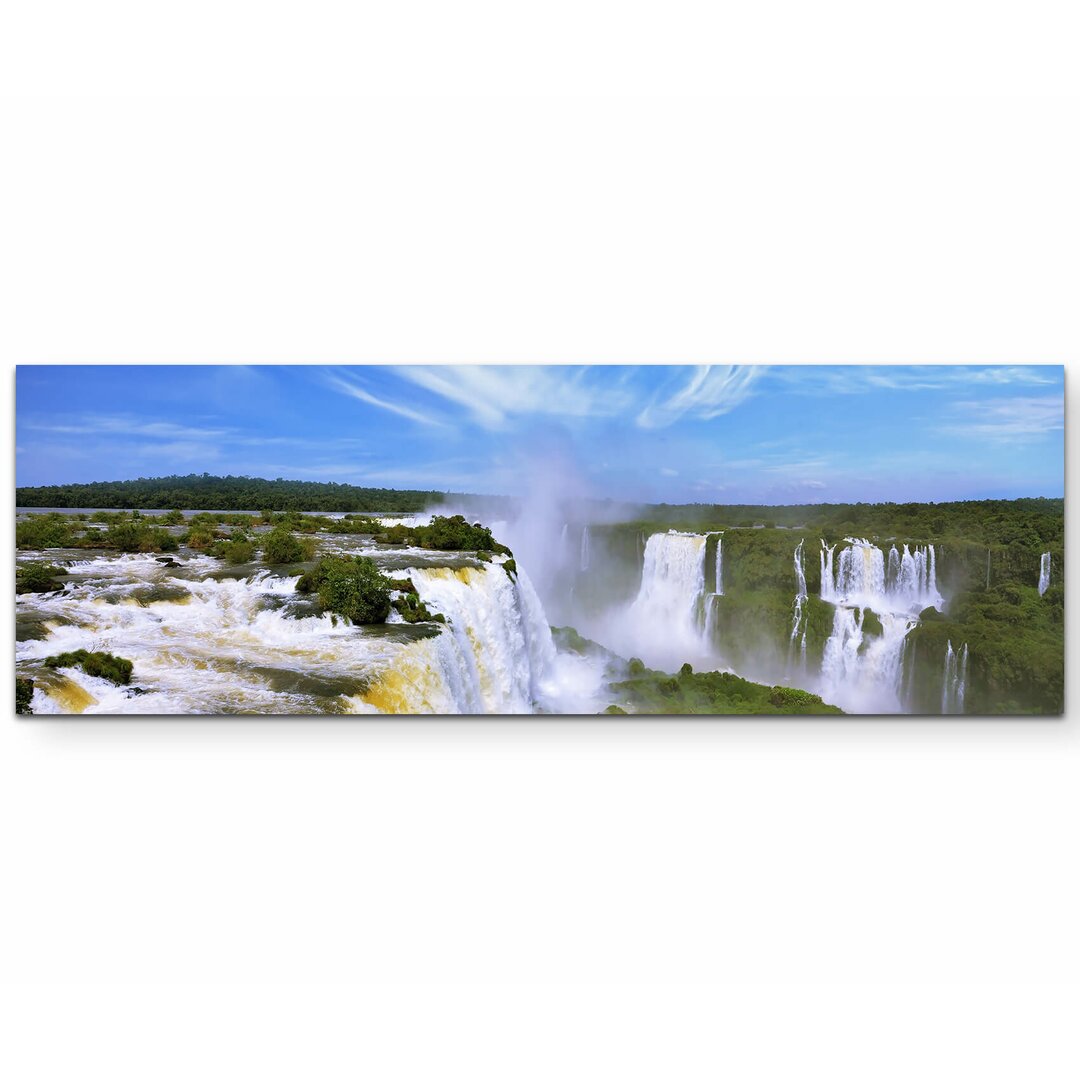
<point>1018,419</point>
<point>709,392</point>
<point>127,425</point>
<point>862,379</point>
<point>492,395</point>
<point>349,387</point>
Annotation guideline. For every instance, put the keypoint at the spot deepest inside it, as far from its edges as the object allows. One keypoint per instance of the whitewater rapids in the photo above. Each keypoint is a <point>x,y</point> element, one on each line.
<point>207,640</point>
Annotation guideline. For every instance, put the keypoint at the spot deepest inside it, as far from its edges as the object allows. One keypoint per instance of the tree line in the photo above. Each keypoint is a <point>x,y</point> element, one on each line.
<point>201,491</point>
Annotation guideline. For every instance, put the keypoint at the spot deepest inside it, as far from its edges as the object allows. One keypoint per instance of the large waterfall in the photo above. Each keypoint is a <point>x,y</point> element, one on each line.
<point>865,674</point>
<point>860,575</point>
<point>670,621</point>
<point>1044,572</point>
<point>798,629</point>
<point>495,655</point>
<point>954,681</point>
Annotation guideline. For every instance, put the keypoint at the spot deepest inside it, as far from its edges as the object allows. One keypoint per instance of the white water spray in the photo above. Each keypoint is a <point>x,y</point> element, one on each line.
<point>954,681</point>
<point>1044,572</point>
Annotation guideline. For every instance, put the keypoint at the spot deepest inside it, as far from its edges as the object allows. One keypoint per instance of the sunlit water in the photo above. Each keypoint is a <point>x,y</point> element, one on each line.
<point>206,638</point>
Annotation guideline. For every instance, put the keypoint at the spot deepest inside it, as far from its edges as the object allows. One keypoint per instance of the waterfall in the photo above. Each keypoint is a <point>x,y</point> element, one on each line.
<point>828,587</point>
<point>495,655</point>
<point>673,616</point>
<point>861,578</point>
<point>585,548</point>
<point>800,600</point>
<point>672,580</point>
<point>720,565</point>
<point>860,674</point>
<point>1044,573</point>
<point>954,681</point>
<point>866,673</point>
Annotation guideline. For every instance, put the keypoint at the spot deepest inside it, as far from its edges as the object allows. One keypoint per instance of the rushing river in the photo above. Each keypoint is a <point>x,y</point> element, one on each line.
<point>207,638</point>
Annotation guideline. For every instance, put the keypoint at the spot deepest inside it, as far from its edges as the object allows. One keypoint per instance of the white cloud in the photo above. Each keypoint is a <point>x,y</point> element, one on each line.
<point>493,394</point>
<point>1018,419</point>
<point>709,392</point>
<point>361,394</point>
<point>862,378</point>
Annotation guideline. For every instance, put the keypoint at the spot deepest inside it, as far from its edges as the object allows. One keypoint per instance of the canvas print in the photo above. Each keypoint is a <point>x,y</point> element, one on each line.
<point>505,539</point>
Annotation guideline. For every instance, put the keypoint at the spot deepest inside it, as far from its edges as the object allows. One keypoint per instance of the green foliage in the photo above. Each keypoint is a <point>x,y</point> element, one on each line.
<point>236,550</point>
<point>352,586</point>
<point>445,534</point>
<point>413,610</point>
<point>1016,655</point>
<point>38,577</point>
<point>173,517</point>
<point>24,692</point>
<point>41,531</point>
<point>131,536</point>
<point>714,693</point>
<point>206,492</point>
<point>510,566</point>
<point>101,665</point>
<point>280,547</point>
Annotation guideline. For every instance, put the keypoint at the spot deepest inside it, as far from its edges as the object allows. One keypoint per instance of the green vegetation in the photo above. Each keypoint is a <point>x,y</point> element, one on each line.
<point>280,547</point>
<point>41,531</point>
<point>712,692</point>
<point>445,534</point>
<point>1016,654</point>
<point>100,665</point>
<point>24,691</point>
<point>38,577</point>
<point>205,492</point>
<point>239,548</point>
<point>131,536</point>
<point>352,587</point>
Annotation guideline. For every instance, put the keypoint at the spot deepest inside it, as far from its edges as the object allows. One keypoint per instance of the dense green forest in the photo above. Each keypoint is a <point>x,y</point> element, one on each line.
<point>200,491</point>
<point>1031,522</point>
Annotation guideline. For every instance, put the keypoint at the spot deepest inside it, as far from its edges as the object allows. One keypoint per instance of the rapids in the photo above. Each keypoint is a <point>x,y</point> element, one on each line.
<point>205,639</point>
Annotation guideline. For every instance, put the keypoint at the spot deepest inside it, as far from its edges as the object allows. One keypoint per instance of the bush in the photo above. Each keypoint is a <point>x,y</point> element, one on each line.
<point>24,692</point>
<point>281,547</point>
<point>350,586</point>
<point>99,665</point>
<point>237,549</point>
<point>132,536</point>
<point>44,531</point>
<point>38,577</point>
<point>413,610</point>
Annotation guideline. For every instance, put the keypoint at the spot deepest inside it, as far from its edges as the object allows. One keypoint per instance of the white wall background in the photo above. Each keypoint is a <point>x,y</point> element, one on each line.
<point>573,182</point>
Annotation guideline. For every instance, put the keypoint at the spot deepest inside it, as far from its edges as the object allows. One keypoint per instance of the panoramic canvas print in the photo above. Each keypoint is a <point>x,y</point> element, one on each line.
<point>501,539</point>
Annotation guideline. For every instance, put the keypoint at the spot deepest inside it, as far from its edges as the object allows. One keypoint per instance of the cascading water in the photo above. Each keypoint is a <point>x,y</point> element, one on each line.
<point>496,654</point>
<point>867,674</point>
<point>861,578</point>
<point>1044,572</point>
<point>800,601</point>
<point>718,588</point>
<point>585,548</point>
<point>954,680</point>
<point>862,673</point>
<point>205,642</point>
<point>665,624</point>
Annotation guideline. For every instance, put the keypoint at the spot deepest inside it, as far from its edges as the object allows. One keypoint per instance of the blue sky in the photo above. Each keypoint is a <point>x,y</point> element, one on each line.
<point>717,433</point>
